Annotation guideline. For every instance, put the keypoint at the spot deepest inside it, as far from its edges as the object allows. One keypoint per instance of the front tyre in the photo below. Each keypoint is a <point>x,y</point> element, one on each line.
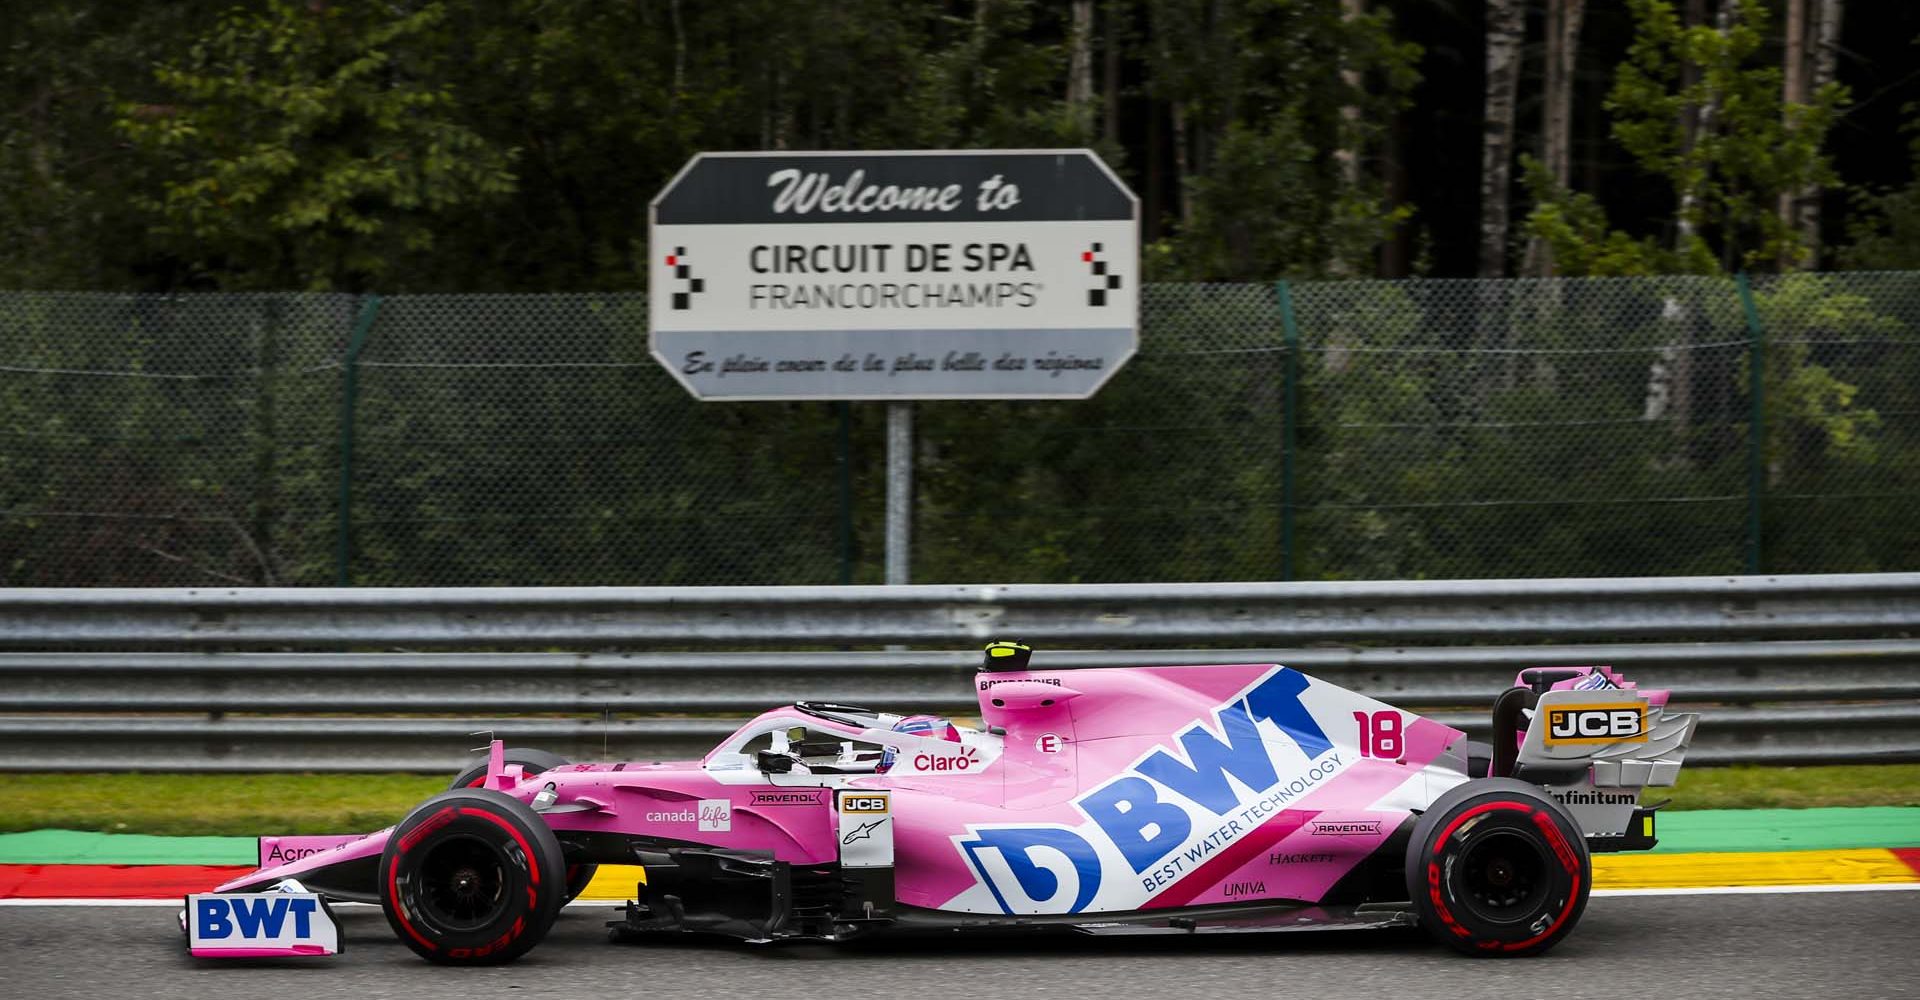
<point>531,762</point>
<point>1496,868</point>
<point>472,877</point>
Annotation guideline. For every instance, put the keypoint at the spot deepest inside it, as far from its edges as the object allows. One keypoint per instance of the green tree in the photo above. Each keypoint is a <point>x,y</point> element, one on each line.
<point>309,146</point>
<point>1885,225</point>
<point>1700,112</point>
<point>1266,96</point>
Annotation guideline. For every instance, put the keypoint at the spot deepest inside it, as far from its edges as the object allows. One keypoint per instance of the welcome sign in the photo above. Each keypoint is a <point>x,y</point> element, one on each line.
<point>895,275</point>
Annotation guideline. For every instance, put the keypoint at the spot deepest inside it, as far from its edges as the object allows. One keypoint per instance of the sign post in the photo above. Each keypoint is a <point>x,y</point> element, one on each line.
<point>987,274</point>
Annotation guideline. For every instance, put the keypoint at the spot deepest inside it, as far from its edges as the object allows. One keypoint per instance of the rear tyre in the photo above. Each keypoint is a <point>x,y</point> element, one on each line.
<point>1496,868</point>
<point>472,877</point>
<point>531,762</point>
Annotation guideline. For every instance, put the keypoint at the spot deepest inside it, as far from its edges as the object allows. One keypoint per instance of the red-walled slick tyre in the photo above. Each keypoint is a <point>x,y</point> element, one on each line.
<point>472,877</point>
<point>1497,868</point>
<point>531,762</point>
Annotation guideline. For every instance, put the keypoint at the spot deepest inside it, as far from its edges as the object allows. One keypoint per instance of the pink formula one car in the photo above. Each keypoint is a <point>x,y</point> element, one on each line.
<point>1103,801</point>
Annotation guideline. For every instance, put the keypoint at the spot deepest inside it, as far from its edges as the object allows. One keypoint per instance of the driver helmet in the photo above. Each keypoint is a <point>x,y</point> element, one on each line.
<point>920,725</point>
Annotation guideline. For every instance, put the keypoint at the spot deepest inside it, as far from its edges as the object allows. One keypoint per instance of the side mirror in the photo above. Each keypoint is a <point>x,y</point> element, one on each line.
<point>774,762</point>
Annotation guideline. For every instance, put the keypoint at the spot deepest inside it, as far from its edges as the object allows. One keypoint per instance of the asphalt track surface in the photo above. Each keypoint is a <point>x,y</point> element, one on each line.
<point>1799,945</point>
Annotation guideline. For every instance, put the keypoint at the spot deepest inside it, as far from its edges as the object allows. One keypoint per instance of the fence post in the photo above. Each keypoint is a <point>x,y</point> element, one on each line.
<point>844,446</point>
<point>349,400</point>
<point>1289,408</point>
<point>1756,419</point>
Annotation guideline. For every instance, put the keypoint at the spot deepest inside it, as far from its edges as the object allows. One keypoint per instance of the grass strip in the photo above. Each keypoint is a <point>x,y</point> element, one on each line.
<point>255,804</point>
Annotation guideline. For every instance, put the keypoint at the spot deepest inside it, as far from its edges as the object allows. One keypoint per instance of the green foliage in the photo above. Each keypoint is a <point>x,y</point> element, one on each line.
<point>1277,93</point>
<point>308,145</point>
<point>1885,225</point>
<point>1815,415</point>
<point>1725,176</point>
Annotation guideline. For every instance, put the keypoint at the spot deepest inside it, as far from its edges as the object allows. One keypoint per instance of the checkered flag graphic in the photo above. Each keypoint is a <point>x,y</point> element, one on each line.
<point>682,271</point>
<point>1097,295</point>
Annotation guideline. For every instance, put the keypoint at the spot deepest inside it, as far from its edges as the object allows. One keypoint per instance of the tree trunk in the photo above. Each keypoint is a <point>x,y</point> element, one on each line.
<point>1687,215</point>
<point>1793,92</point>
<point>1080,67</point>
<point>1556,112</point>
<point>1505,29</point>
<point>1825,59</point>
<point>1181,166</point>
<point>1678,354</point>
<point>1696,14</point>
<point>1110,71</point>
<point>1347,156</point>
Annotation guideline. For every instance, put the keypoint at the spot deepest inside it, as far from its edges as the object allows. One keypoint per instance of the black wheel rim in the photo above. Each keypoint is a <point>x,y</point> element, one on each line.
<point>463,882</point>
<point>1502,876</point>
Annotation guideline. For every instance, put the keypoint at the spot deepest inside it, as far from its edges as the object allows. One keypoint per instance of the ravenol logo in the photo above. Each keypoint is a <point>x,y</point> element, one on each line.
<point>253,918</point>
<point>1022,866</point>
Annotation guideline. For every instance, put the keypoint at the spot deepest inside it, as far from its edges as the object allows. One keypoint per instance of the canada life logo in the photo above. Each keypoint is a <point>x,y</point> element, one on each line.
<point>716,815</point>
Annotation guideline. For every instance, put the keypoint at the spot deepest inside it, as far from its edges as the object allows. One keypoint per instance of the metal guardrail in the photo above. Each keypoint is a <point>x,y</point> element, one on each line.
<point>1813,606</point>
<point>237,707</point>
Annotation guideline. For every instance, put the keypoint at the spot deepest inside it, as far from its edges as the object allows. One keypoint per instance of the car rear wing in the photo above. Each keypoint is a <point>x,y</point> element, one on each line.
<point>1594,741</point>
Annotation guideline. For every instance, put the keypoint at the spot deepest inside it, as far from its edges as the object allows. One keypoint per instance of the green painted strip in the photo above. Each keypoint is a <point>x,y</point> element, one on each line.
<point>72,847</point>
<point>1787,829</point>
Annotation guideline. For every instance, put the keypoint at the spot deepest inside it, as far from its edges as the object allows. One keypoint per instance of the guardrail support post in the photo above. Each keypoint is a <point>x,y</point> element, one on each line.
<point>349,402</point>
<point>899,492</point>
<point>1289,406</point>
<point>1756,420</point>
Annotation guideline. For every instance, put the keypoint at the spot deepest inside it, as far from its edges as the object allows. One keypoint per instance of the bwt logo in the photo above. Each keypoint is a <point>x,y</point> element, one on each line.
<point>1596,724</point>
<point>253,918</point>
<point>1058,869</point>
<point>682,271</point>
<point>1097,295</point>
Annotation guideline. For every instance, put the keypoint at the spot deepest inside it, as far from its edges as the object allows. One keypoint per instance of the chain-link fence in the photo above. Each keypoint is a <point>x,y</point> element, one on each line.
<point>1555,427</point>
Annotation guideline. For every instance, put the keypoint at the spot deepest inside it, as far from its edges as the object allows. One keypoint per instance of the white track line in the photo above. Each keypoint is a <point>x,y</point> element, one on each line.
<point>1709,890</point>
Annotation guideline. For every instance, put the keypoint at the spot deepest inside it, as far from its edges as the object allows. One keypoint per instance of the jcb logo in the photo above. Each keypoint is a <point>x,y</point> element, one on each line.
<point>1596,724</point>
<point>863,803</point>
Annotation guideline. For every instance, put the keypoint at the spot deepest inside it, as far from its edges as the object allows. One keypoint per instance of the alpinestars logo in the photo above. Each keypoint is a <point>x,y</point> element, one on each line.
<point>1097,296</point>
<point>682,271</point>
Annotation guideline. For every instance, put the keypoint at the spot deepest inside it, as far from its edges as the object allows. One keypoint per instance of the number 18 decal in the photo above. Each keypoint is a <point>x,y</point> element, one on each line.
<point>1380,734</point>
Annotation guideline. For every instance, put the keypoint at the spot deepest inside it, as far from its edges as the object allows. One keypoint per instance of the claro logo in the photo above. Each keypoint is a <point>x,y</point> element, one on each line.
<point>1596,724</point>
<point>964,760</point>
